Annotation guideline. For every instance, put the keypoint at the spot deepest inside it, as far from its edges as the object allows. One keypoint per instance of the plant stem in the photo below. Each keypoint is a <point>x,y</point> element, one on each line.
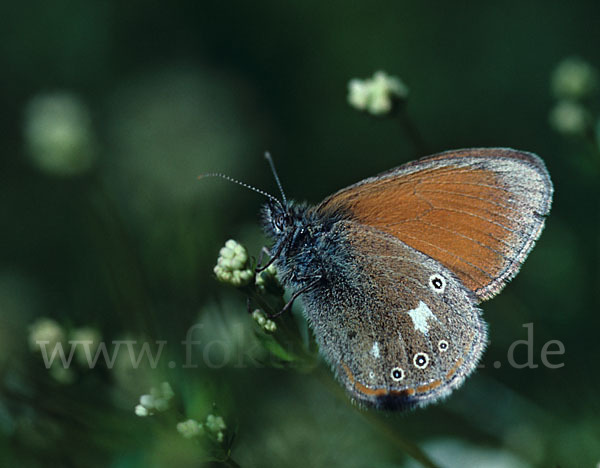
<point>411,130</point>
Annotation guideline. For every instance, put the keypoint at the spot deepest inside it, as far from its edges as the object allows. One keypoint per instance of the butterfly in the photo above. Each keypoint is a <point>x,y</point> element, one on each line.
<point>391,270</point>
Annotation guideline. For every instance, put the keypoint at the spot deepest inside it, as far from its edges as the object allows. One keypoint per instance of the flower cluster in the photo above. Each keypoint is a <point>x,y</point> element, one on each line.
<point>157,401</point>
<point>267,280</point>
<point>378,94</point>
<point>49,338</point>
<point>233,266</point>
<point>216,425</point>
<point>574,78</point>
<point>190,428</point>
<point>573,82</point>
<point>263,321</point>
<point>213,425</point>
<point>45,331</point>
<point>58,134</point>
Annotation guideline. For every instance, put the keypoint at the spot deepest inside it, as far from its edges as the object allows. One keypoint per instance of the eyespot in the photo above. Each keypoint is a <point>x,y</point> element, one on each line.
<point>421,360</point>
<point>437,283</point>
<point>443,345</point>
<point>397,374</point>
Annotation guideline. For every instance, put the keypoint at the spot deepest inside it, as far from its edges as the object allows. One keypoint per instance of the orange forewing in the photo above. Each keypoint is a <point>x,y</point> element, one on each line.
<point>476,211</point>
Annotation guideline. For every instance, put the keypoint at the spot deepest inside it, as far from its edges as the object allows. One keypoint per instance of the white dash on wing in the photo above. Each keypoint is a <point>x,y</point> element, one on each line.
<point>420,315</point>
<point>375,350</point>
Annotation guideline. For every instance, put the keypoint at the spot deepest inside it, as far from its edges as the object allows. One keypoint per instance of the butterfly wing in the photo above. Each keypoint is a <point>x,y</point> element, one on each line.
<point>476,211</point>
<point>398,328</point>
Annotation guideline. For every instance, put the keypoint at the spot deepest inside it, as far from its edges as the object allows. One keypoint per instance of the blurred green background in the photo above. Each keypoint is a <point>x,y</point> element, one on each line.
<point>110,110</point>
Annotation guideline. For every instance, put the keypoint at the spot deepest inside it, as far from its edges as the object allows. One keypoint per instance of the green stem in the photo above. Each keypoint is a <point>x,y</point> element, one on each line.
<point>412,131</point>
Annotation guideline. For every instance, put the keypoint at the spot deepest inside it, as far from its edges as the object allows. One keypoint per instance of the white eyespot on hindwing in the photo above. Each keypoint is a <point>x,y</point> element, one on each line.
<point>375,350</point>
<point>420,315</point>
<point>421,360</point>
<point>437,283</point>
<point>397,374</point>
<point>443,346</point>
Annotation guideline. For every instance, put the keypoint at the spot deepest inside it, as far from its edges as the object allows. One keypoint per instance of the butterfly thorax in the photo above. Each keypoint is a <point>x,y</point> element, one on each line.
<point>299,234</point>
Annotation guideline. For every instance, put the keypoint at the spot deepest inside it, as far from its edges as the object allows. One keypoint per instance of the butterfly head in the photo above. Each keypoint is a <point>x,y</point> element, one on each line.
<point>282,221</point>
<point>276,219</point>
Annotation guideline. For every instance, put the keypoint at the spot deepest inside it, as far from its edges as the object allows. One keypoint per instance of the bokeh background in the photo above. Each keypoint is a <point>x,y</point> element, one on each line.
<point>110,110</point>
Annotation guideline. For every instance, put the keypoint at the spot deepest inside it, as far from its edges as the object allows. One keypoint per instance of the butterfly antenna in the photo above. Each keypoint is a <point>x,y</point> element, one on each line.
<point>235,181</point>
<point>270,159</point>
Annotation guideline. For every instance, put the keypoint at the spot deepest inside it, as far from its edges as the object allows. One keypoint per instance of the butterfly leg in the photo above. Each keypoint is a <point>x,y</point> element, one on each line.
<point>288,306</point>
<point>264,251</point>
